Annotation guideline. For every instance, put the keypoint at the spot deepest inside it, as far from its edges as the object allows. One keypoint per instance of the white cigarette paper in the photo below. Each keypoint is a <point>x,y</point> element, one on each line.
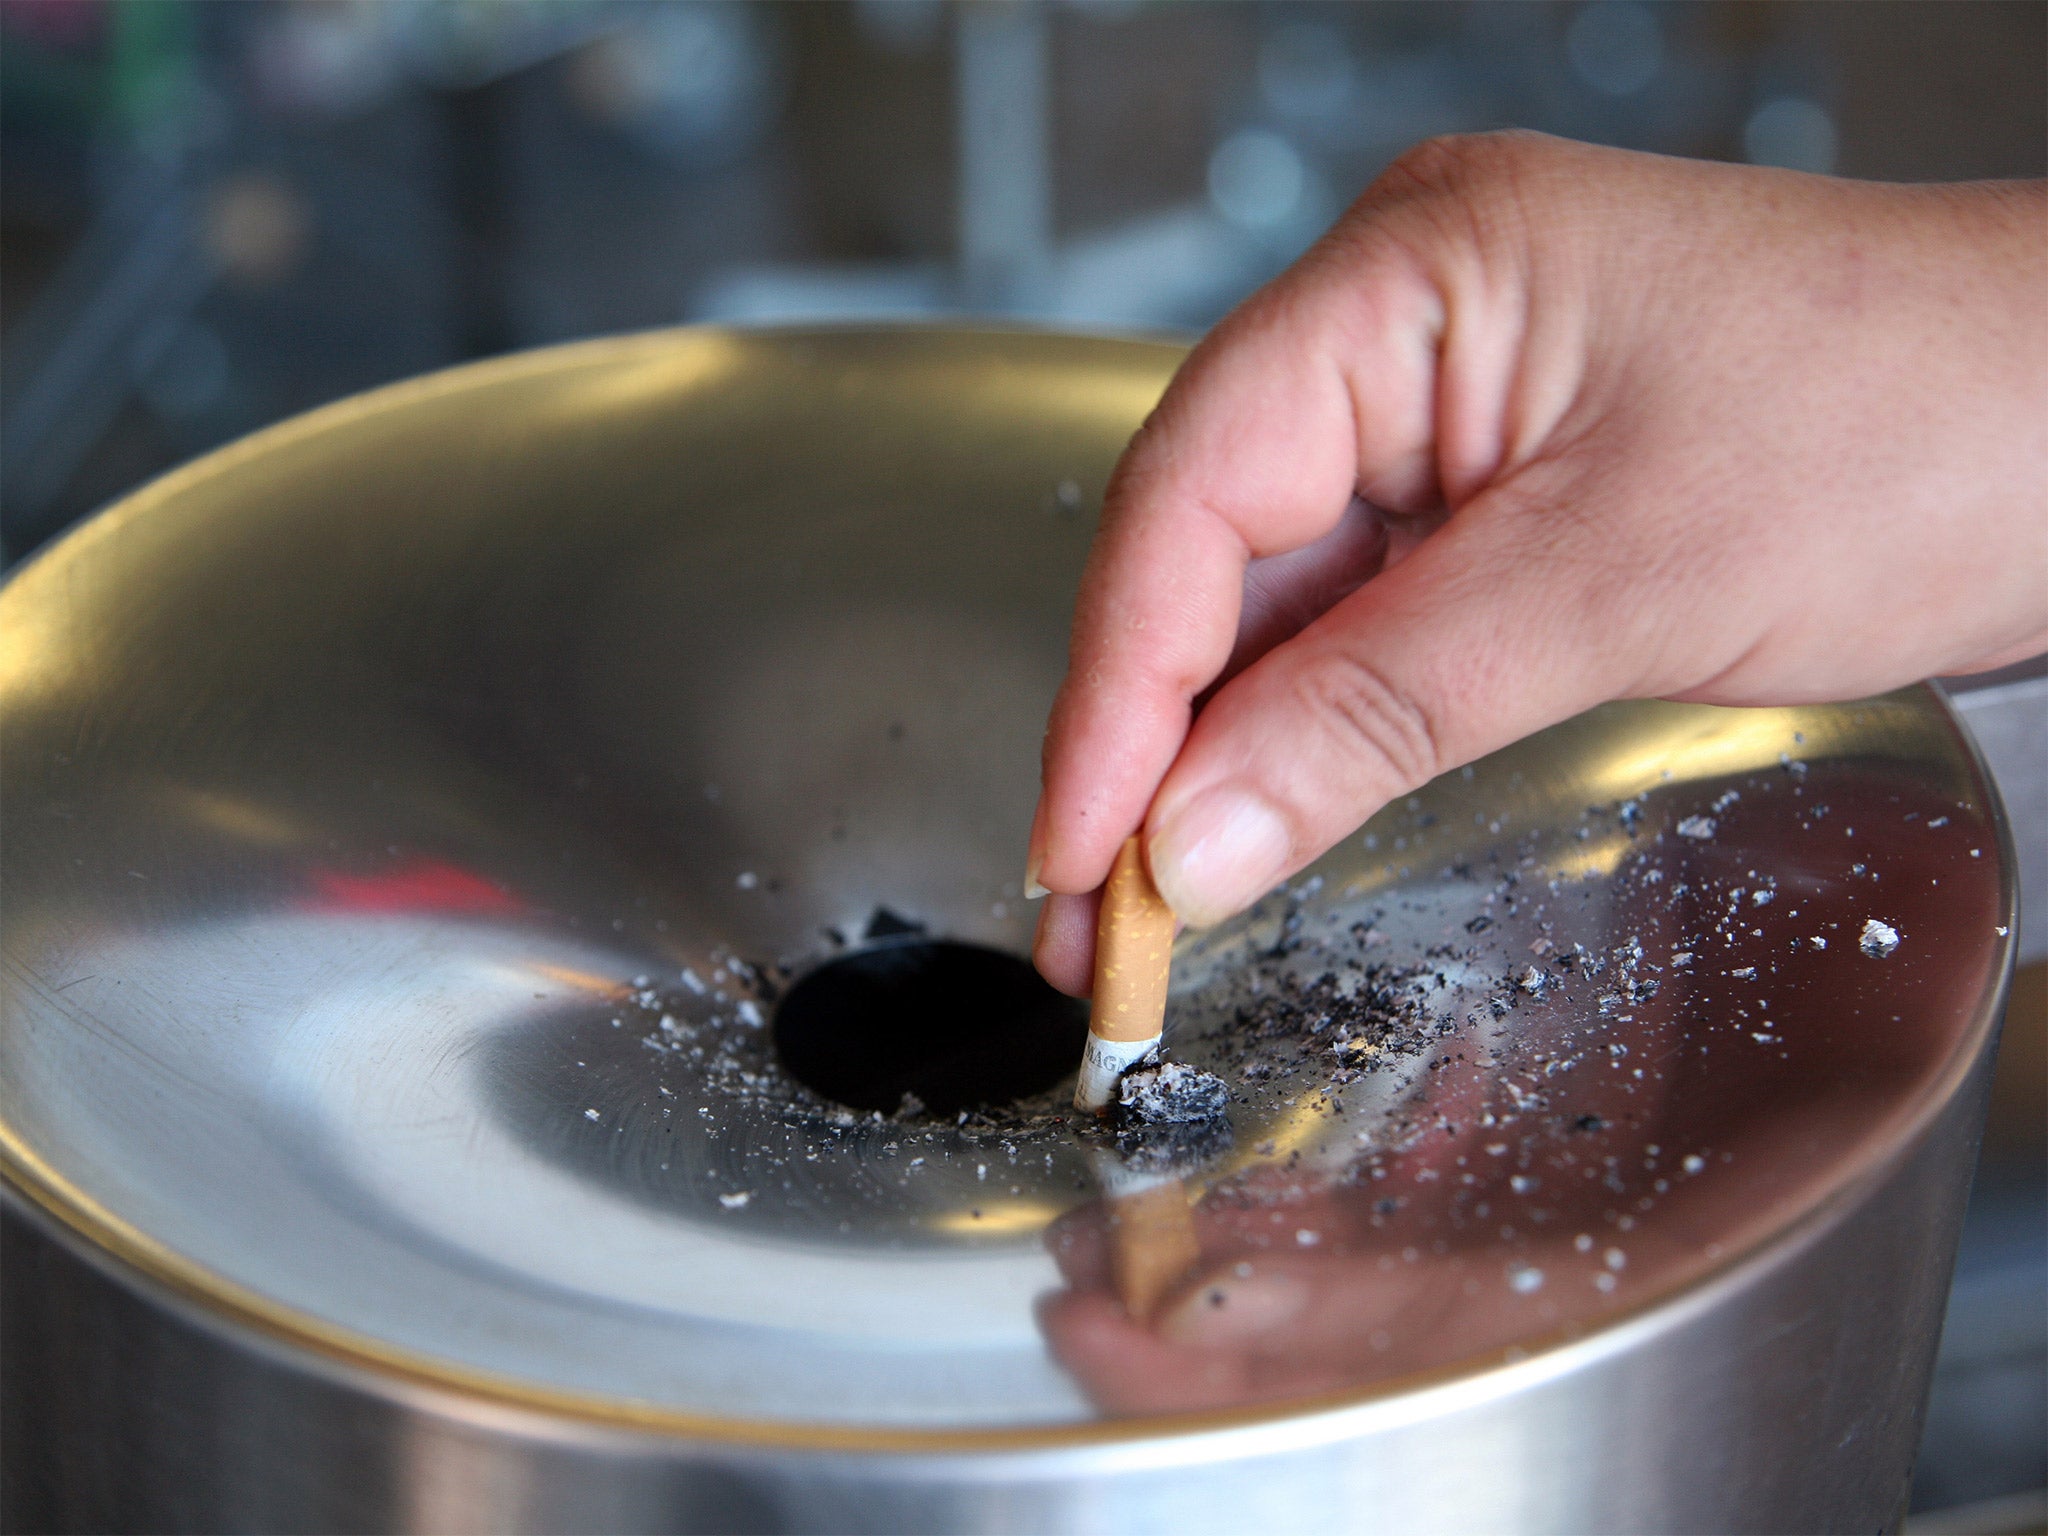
<point>1102,1063</point>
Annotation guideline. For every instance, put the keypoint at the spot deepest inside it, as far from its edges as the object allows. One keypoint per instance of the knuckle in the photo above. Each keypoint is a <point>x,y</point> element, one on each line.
<point>1458,163</point>
<point>1140,465</point>
<point>1440,164</point>
<point>1458,190</point>
<point>1374,719</point>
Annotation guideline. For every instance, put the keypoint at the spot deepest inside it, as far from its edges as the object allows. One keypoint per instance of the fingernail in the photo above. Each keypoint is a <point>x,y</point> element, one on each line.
<point>1234,1308</point>
<point>1217,854</point>
<point>1034,857</point>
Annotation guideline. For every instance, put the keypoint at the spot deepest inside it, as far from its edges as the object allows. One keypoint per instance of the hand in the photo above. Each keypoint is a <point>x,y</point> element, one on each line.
<point>1535,426</point>
<point>1262,1317</point>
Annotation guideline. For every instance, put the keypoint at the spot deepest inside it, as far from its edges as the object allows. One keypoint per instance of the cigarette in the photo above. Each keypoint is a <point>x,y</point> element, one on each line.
<point>1152,1235</point>
<point>1133,953</point>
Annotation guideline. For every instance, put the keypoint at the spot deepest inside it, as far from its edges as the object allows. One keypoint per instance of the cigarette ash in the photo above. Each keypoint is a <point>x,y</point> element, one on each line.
<point>703,1116</point>
<point>1158,1092</point>
<point>716,1030</point>
<point>1170,1117</point>
<point>1331,1026</point>
<point>1479,993</point>
<point>1391,1050</point>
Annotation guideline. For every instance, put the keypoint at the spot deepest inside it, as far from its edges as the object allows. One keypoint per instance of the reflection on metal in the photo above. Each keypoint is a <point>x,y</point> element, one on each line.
<point>2009,720</point>
<point>998,1219</point>
<point>243,819</point>
<point>593,982</point>
<point>555,698</point>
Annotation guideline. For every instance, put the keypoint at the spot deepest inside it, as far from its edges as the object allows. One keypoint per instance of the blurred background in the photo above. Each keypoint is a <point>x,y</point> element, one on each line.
<point>215,215</point>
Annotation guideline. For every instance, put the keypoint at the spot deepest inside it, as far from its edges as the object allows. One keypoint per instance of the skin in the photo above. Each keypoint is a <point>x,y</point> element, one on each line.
<point>1535,426</point>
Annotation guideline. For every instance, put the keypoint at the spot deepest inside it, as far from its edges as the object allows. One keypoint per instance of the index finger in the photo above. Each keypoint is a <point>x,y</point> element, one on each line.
<point>1258,447</point>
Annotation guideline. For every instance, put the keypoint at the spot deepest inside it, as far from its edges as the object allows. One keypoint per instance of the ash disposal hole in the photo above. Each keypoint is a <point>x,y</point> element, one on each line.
<point>955,1025</point>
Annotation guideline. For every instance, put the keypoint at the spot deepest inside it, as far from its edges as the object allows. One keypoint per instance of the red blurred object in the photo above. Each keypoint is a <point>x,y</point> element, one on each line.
<point>426,885</point>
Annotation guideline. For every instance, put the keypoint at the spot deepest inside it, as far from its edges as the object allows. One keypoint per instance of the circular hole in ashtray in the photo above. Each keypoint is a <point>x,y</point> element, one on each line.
<point>951,1026</point>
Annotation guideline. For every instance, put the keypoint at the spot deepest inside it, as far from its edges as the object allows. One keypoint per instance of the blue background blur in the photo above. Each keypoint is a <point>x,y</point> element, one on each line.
<point>215,215</point>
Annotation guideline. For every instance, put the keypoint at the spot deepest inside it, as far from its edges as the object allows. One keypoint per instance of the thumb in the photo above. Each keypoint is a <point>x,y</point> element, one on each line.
<point>1475,640</point>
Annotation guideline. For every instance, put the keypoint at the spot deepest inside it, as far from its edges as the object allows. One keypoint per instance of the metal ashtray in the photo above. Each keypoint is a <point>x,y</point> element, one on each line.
<point>420,817</point>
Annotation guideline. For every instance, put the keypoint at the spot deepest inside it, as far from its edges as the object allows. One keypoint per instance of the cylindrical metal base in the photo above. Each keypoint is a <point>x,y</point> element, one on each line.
<point>1785,1397</point>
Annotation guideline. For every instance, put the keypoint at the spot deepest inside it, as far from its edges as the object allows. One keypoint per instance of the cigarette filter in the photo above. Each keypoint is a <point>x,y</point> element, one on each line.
<point>1133,954</point>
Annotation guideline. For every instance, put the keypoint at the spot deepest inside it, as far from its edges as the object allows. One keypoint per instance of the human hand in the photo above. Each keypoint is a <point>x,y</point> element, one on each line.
<point>1638,427</point>
<point>1257,1319</point>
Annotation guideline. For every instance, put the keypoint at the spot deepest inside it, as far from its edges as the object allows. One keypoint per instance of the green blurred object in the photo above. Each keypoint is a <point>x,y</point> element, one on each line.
<point>151,63</point>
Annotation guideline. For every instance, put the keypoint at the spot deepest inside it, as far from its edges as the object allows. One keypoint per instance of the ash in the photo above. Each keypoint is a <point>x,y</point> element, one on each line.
<point>1479,991</point>
<point>1170,1092</point>
<point>1334,1024</point>
<point>1171,1117</point>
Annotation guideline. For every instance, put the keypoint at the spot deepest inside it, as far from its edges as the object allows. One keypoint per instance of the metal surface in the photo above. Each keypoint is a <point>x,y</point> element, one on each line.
<point>2008,717</point>
<point>375,789</point>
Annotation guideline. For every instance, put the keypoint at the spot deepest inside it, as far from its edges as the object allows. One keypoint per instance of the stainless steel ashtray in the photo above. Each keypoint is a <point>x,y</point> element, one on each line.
<point>419,816</point>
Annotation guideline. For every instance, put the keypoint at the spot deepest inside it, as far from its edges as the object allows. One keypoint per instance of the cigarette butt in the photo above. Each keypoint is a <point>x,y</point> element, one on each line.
<point>1133,952</point>
<point>1133,955</point>
<point>1153,1245</point>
